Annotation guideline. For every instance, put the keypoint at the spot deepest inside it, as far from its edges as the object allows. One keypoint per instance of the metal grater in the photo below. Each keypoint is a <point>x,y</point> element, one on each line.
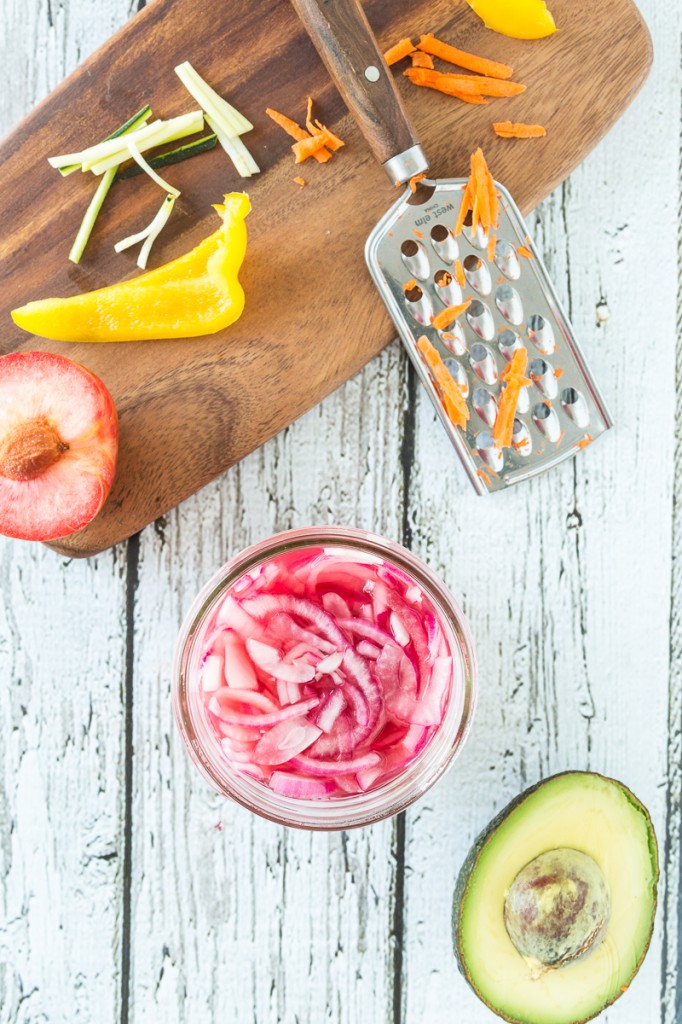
<point>514,305</point>
<point>514,302</point>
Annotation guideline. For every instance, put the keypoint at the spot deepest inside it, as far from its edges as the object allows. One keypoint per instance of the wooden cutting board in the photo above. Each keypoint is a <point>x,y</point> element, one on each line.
<point>189,409</point>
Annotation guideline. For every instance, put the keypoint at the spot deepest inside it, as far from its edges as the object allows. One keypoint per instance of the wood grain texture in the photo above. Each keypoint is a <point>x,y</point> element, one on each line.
<point>313,317</point>
<point>345,42</point>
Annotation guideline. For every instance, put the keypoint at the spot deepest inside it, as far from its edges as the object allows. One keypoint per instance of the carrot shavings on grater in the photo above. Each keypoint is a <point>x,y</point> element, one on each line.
<point>585,441</point>
<point>492,243</point>
<point>515,379</point>
<point>444,319</point>
<point>447,387</point>
<point>415,181</point>
<point>479,197</point>
<point>517,130</point>
<point>524,251</point>
<point>403,48</point>
<point>459,274</point>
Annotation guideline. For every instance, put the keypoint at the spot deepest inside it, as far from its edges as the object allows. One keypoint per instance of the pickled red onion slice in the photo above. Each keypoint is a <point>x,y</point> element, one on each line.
<point>323,677</point>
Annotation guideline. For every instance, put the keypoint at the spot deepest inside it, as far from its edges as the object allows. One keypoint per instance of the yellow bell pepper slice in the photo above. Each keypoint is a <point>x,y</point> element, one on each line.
<point>521,19</point>
<point>198,293</point>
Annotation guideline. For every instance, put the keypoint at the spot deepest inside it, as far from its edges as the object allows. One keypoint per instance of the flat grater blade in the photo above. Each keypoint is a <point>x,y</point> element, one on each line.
<point>412,255</point>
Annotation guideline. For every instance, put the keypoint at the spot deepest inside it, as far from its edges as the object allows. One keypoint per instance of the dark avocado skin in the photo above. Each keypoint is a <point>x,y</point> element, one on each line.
<point>489,831</point>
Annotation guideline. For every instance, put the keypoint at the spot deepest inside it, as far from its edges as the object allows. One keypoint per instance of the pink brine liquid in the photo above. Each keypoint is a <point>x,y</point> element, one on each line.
<point>326,672</point>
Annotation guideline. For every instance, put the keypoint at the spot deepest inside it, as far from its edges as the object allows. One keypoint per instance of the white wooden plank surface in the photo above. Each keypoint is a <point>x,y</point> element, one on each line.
<point>129,891</point>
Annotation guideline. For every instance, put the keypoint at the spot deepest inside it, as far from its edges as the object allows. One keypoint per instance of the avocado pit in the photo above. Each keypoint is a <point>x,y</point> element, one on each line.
<point>557,908</point>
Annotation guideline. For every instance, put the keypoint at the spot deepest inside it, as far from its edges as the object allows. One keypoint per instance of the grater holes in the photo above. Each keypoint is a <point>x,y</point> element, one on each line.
<point>453,339</point>
<point>483,363</point>
<point>418,304</point>
<point>485,405</point>
<point>458,374</point>
<point>508,301</point>
<point>477,274</point>
<point>541,334</point>
<point>521,439</point>
<point>575,407</point>
<point>547,421</point>
<point>489,453</point>
<point>444,243</point>
<point>508,343</point>
<point>542,375</point>
<point>415,258</point>
<point>480,319</point>
<point>507,260</point>
<point>447,289</point>
<point>478,238</point>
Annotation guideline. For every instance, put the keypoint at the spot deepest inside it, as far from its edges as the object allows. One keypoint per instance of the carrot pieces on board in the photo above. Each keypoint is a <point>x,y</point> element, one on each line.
<point>437,48</point>
<point>518,130</point>
<point>448,389</point>
<point>463,85</point>
<point>421,60</point>
<point>403,48</point>
<point>318,141</point>
<point>300,182</point>
<point>448,316</point>
<point>479,197</point>
<point>515,379</point>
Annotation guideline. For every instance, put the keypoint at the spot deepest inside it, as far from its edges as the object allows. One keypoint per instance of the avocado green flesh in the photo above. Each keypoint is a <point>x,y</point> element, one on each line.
<point>580,811</point>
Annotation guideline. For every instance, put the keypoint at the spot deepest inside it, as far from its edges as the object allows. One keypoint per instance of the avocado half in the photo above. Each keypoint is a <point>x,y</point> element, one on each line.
<point>577,817</point>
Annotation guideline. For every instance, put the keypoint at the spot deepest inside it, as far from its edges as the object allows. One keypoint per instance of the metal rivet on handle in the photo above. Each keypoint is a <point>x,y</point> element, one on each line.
<point>372,73</point>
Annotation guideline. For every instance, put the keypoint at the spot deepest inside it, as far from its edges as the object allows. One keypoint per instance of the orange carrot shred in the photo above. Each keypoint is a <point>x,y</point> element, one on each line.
<point>410,285</point>
<point>307,147</point>
<point>459,274</point>
<point>518,130</point>
<point>447,317</point>
<point>492,243</point>
<point>449,390</point>
<point>403,48</point>
<point>472,85</point>
<point>515,379</point>
<point>296,132</point>
<point>450,54</point>
<point>300,181</point>
<point>415,181</point>
<point>421,60</point>
<point>585,441</point>
<point>434,80</point>
<point>524,251</point>
<point>559,372</point>
<point>419,234</point>
<point>479,197</point>
<point>333,141</point>
<point>309,117</point>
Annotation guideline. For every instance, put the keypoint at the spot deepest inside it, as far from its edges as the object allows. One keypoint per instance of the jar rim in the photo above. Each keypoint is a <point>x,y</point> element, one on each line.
<point>354,810</point>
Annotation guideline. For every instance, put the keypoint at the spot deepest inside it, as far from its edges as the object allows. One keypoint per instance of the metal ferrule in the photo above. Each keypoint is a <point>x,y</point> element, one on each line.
<point>405,165</point>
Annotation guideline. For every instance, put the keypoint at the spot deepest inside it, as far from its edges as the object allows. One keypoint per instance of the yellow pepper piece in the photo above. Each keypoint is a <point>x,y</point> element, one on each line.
<point>198,293</point>
<point>521,19</point>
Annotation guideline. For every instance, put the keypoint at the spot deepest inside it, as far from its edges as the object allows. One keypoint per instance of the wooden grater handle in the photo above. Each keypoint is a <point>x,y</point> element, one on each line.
<point>346,43</point>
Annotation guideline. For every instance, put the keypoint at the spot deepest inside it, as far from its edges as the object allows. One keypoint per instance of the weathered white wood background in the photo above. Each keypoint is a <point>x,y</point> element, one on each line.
<point>129,892</point>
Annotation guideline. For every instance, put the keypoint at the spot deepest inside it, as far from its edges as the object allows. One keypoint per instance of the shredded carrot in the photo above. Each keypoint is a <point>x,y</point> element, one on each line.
<point>300,181</point>
<point>308,147</point>
<point>309,117</point>
<point>401,49</point>
<point>447,317</point>
<point>448,388</point>
<point>517,130</point>
<point>470,85</point>
<point>437,48</point>
<point>585,441</point>
<point>410,285</point>
<point>419,234</point>
<point>479,197</point>
<point>434,80</point>
<point>415,181</point>
<point>515,379</point>
<point>559,372</point>
<point>492,243</point>
<point>421,60</point>
<point>459,274</point>
<point>524,251</point>
<point>332,141</point>
<point>296,132</point>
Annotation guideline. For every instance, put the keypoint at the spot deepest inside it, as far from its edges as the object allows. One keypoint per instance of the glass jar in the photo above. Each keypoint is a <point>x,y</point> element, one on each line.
<point>338,812</point>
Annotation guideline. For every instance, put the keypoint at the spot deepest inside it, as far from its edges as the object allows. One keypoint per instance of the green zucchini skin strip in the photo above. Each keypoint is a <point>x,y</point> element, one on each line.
<point>130,125</point>
<point>175,156</point>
